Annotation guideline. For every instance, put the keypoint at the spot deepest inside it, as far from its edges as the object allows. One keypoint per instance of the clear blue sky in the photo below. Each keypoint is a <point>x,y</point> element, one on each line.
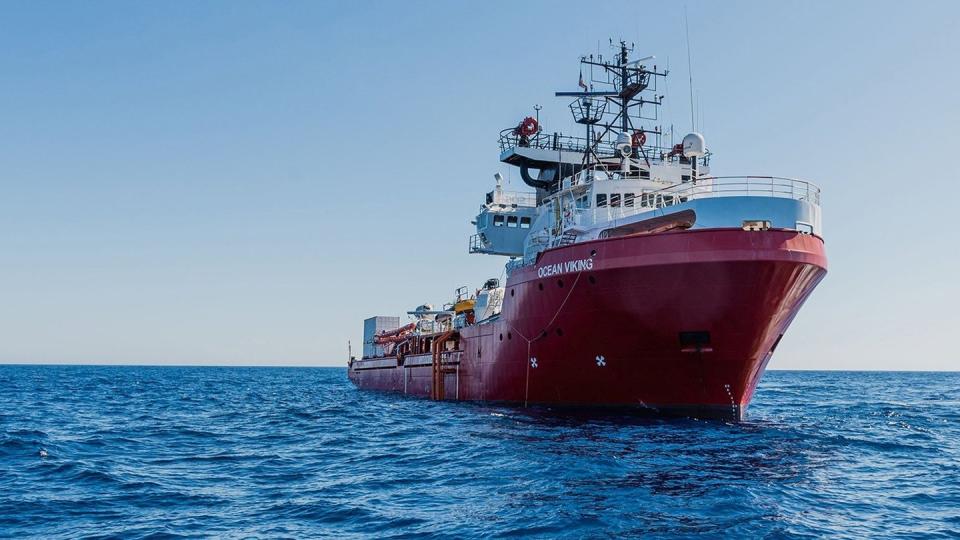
<point>244,182</point>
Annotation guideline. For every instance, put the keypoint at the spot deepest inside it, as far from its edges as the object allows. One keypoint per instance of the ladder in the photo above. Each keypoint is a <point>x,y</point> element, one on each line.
<point>438,389</point>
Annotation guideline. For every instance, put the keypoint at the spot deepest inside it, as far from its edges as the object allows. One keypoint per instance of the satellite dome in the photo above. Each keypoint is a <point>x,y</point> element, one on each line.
<point>693,145</point>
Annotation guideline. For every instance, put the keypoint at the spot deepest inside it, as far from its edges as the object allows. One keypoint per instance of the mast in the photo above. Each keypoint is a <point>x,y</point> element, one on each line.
<point>626,82</point>
<point>624,101</point>
<point>620,114</point>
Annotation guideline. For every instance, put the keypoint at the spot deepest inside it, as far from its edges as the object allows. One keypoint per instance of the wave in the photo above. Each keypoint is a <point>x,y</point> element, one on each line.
<point>168,452</point>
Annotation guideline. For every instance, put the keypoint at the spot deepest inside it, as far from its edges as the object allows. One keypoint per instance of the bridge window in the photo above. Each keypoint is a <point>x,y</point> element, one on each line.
<point>498,220</point>
<point>644,173</point>
<point>615,200</point>
<point>524,223</point>
<point>628,200</point>
<point>512,221</point>
<point>582,202</point>
<point>601,200</point>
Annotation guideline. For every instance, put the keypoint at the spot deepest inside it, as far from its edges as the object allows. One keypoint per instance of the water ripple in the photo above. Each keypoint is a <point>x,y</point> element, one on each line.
<point>143,452</point>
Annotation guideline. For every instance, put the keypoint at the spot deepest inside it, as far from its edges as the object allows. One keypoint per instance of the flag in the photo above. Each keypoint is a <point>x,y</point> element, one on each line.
<point>581,83</point>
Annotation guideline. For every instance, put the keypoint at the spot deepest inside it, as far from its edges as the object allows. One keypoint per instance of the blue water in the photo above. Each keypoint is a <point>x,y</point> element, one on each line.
<point>137,452</point>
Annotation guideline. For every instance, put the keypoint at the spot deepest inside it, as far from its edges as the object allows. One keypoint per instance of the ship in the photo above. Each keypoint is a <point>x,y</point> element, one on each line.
<point>635,278</point>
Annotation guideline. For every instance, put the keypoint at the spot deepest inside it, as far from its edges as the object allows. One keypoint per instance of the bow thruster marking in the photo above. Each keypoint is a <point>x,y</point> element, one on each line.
<point>601,361</point>
<point>533,361</point>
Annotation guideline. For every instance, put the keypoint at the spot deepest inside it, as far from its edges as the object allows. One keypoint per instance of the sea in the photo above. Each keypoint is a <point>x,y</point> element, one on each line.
<point>222,452</point>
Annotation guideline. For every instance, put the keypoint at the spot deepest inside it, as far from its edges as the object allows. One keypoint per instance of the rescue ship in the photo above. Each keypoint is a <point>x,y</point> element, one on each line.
<point>635,278</point>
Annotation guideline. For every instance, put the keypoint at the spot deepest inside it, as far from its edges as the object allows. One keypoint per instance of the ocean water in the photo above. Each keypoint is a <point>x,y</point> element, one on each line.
<point>151,452</point>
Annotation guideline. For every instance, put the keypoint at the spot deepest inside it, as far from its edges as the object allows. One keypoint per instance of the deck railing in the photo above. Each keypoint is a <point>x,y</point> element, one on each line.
<point>605,148</point>
<point>705,188</point>
<point>751,186</point>
<point>549,141</point>
<point>513,198</point>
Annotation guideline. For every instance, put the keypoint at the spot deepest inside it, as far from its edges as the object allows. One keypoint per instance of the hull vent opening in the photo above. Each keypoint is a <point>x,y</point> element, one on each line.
<point>695,341</point>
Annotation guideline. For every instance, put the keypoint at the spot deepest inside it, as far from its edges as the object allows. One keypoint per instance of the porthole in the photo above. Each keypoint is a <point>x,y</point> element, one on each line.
<point>560,283</point>
<point>593,253</point>
<point>509,335</point>
<point>592,280</point>
<point>559,332</point>
<point>501,337</point>
<point>540,286</point>
<point>511,292</point>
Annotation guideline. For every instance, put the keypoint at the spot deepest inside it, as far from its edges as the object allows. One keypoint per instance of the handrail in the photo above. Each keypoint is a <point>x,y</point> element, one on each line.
<point>541,140</point>
<point>545,141</point>
<point>732,186</point>
<point>647,201</point>
<point>516,198</point>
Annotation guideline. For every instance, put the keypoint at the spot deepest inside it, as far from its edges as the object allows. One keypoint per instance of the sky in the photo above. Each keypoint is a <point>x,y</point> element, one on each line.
<point>242,183</point>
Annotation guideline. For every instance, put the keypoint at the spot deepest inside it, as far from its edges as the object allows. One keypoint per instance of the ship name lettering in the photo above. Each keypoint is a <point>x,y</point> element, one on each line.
<point>565,267</point>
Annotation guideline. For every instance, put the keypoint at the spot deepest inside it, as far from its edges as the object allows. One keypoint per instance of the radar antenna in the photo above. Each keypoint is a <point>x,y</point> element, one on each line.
<point>625,83</point>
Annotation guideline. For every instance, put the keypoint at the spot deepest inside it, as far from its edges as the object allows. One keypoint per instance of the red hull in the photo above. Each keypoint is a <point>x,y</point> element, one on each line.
<point>681,322</point>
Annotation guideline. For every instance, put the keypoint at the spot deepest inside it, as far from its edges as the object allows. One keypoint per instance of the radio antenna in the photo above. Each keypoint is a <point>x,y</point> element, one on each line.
<point>686,23</point>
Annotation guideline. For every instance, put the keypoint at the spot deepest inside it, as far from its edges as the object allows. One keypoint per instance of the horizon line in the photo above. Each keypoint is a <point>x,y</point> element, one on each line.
<point>323,366</point>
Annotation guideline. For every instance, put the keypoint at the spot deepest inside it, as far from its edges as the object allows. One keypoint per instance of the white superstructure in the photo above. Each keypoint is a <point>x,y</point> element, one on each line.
<point>615,182</point>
